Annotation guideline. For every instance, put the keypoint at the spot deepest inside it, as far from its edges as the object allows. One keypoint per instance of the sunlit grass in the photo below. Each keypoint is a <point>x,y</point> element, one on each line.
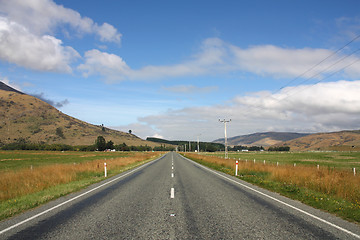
<point>22,188</point>
<point>325,159</point>
<point>336,190</point>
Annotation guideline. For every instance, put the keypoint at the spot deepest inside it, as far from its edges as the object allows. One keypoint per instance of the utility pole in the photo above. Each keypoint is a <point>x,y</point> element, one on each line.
<point>226,150</point>
<point>189,147</point>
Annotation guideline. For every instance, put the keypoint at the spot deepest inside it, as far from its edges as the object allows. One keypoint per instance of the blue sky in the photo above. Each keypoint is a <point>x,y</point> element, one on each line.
<point>172,68</point>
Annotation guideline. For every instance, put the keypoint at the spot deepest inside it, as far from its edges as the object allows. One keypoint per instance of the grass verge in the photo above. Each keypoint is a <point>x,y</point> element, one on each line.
<point>334,191</point>
<point>28,188</point>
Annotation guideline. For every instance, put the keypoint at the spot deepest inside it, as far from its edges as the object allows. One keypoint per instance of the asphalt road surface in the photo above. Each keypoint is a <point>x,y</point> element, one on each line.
<point>175,198</point>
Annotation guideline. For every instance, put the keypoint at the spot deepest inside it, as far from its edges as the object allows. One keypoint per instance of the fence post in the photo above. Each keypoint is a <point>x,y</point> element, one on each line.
<point>105,170</point>
<point>277,164</point>
<point>236,167</point>
<point>318,167</point>
<point>354,171</point>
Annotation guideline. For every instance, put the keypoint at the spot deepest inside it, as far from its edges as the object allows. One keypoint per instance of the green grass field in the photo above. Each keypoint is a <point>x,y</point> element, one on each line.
<point>344,160</point>
<point>331,187</point>
<point>14,160</point>
<point>31,178</point>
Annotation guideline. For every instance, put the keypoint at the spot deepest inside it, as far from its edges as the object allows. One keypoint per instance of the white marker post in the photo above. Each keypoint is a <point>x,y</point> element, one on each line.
<point>354,171</point>
<point>236,167</point>
<point>105,170</point>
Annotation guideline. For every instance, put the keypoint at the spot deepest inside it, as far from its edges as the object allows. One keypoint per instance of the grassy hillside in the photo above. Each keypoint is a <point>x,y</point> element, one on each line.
<point>333,141</point>
<point>261,139</point>
<point>26,117</point>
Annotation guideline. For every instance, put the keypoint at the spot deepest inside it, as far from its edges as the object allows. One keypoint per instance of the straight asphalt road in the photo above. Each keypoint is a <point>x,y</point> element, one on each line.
<point>176,198</point>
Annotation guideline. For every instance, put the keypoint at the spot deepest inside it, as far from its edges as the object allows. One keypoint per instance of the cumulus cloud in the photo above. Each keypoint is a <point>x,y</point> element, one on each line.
<point>330,106</point>
<point>276,61</point>
<point>43,53</point>
<point>106,64</point>
<point>216,56</point>
<point>113,67</point>
<point>45,16</point>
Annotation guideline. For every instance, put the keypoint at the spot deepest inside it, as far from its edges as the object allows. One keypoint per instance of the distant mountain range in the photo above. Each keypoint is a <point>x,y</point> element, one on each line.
<point>264,139</point>
<point>338,141</point>
<point>28,118</point>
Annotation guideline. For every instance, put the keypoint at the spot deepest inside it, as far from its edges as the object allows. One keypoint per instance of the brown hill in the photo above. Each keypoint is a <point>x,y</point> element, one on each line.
<point>26,117</point>
<point>264,139</point>
<point>337,141</point>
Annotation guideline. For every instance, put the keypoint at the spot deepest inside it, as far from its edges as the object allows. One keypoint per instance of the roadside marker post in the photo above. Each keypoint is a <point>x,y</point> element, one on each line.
<point>105,170</point>
<point>236,167</point>
<point>354,171</point>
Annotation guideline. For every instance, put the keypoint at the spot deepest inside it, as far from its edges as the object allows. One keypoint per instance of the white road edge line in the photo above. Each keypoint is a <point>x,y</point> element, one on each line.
<point>279,201</point>
<point>74,198</point>
<point>172,193</point>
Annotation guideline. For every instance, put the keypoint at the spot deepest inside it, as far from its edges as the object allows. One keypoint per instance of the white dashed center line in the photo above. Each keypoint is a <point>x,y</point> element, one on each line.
<point>172,193</point>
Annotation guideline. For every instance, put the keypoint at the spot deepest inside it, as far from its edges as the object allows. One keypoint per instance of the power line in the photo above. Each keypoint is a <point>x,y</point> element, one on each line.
<point>326,58</point>
<point>314,75</point>
<point>357,60</point>
<point>302,82</point>
<point>329,67</point>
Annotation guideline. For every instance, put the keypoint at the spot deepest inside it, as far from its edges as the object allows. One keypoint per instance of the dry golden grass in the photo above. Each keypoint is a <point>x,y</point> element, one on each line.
<point>335,182</point>
<point>26,181</point>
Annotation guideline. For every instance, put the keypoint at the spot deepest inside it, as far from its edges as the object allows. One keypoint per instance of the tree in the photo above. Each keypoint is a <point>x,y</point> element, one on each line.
<point>130,131</point>
<point>60,132</point>
<point>100,143</point>
<point>110,145</point>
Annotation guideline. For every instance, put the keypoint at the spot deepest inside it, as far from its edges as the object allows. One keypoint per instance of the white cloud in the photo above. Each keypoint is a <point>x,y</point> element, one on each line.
<point>105,64</point>
<point>43,53</point>
<point>44,16</point>
<point>331,106</point>
<point>107,33</point>
<point>113,67</point>
<point>216,56</point>
<point>311,100</point>
<point>278,62</point>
